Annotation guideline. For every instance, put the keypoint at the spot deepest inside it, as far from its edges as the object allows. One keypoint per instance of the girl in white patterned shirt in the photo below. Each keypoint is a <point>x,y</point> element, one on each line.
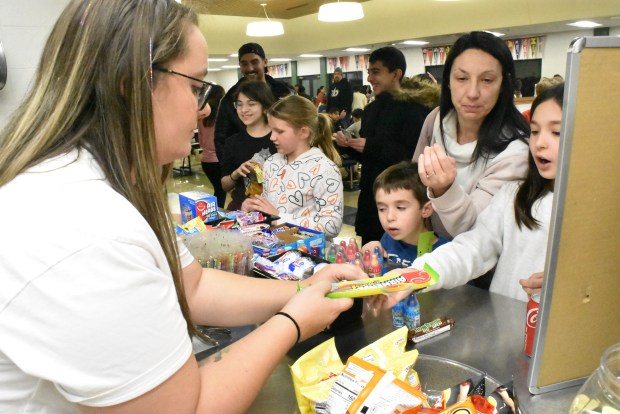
<point>301,183</point>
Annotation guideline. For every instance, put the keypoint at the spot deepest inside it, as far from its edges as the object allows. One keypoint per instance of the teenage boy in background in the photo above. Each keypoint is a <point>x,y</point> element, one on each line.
<point>389,133</point>
<point>252,63</point>
<point>404,212</point>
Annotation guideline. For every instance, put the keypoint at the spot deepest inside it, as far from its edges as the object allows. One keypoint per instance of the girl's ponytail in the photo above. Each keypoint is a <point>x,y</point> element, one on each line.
<point>323,139</point>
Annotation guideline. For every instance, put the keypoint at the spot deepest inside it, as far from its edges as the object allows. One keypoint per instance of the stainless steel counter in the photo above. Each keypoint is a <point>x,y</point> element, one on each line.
<point>488,335</point>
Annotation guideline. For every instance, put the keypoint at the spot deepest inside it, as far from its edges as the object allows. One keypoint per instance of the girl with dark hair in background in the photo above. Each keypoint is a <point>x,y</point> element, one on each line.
<point>251,99</point>
<point>476,140</point>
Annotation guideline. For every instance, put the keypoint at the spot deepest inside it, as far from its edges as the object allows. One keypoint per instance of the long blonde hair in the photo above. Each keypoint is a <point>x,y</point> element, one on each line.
<point>92,91</point>
<point>300,112</point>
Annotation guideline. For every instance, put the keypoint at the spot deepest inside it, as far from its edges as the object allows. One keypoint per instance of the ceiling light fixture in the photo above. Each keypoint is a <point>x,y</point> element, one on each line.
<point>414,42</point>
<point>280,60</point>
<point>357,49</point>
<point>310,55</point>
<point>584,24</point>
<point>264,28</point>
<point>341,11</point>
<point>496,34</point>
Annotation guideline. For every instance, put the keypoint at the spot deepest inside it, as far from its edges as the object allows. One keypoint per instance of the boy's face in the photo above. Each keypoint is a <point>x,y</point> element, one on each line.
<point>335,115</point>
<point>401,215</point>
<point>381,79</point>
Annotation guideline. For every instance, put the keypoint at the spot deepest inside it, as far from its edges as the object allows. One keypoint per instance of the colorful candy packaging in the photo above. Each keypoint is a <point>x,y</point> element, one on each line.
<point>394,281</point>
<point>372,390</point>
<point>314,373</point>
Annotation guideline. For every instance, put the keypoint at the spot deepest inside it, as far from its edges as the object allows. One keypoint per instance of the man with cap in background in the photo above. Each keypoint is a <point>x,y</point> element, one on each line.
<point>252,63</point>
<point>340,95</point>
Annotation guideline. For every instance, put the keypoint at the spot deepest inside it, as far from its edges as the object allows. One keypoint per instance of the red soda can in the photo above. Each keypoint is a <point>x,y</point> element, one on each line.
<point>531,318</point>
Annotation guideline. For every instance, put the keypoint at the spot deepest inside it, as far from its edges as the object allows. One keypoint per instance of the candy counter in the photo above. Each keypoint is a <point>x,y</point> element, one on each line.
<point>487,336</point>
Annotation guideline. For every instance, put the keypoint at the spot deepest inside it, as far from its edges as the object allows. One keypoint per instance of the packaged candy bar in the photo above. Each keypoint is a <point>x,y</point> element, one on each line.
<point>430,329</point>
<point>265,264</point>
<point>301,267</point>
<point>393,281</point>
<point>282,263</point>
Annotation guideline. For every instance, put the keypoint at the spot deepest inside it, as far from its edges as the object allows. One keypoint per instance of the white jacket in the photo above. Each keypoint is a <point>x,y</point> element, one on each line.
<point>495,240</point>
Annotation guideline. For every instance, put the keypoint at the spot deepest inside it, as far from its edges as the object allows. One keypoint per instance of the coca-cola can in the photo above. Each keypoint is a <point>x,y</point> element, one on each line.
<point>531,318</point>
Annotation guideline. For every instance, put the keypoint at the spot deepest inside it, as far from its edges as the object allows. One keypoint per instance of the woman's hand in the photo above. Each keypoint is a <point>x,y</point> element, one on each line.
<point>532,284</point>
<point>258,203</point>
<point>437,170</point>
<point>312,310</point>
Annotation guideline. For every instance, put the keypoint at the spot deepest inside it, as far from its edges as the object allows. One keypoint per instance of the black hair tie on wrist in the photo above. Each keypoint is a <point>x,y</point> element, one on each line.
<point>294,323</point>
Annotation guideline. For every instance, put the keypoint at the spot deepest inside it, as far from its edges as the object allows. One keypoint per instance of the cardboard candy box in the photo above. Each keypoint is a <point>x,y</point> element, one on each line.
<point>198,204</point>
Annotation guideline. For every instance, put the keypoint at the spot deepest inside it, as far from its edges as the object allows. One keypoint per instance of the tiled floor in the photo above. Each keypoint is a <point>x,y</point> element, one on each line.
<point>198,181</point>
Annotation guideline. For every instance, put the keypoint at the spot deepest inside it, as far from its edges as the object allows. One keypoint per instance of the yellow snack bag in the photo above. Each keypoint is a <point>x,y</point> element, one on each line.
<point>319,364</point>
<point>385,348</point>
<point>402,365</point>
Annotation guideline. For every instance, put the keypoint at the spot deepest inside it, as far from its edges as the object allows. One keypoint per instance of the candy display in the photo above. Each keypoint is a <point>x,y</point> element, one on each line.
<point>394,281</point>
<point>292,265</point>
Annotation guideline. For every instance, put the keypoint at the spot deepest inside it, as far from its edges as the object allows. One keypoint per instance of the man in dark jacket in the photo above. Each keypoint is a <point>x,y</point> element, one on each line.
<point>252,63</point>
<point>389,133</point>
<point>340,95</point>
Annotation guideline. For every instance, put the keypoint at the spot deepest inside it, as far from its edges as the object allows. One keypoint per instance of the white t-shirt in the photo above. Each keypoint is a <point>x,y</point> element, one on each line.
<point>88,308</point>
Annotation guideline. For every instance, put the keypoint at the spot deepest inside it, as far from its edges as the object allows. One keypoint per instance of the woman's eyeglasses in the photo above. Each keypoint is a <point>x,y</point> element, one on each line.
<point>201,92</point>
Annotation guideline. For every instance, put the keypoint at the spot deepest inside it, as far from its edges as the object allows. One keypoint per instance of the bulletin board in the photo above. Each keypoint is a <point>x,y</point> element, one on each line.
<point>580,300</point>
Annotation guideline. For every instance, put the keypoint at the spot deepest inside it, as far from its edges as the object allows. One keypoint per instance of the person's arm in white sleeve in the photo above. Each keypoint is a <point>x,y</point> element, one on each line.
<point>472,253</point>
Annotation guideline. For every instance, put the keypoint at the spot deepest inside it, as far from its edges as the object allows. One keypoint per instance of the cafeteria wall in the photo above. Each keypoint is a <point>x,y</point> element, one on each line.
<point>553,61</point>
<point>24,28</point>
<point>25,25</point>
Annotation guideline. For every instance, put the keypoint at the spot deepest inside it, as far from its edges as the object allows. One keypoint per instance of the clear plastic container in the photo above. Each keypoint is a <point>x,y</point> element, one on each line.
<point>601,392</point>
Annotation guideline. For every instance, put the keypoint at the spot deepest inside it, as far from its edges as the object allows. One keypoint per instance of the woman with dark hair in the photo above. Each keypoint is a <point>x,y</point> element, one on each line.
<point>251,100</point>
<point>206,130</point>
<point>476,140</point>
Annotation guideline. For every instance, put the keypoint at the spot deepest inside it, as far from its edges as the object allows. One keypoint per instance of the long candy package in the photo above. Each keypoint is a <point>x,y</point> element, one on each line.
<point>394,281</point>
